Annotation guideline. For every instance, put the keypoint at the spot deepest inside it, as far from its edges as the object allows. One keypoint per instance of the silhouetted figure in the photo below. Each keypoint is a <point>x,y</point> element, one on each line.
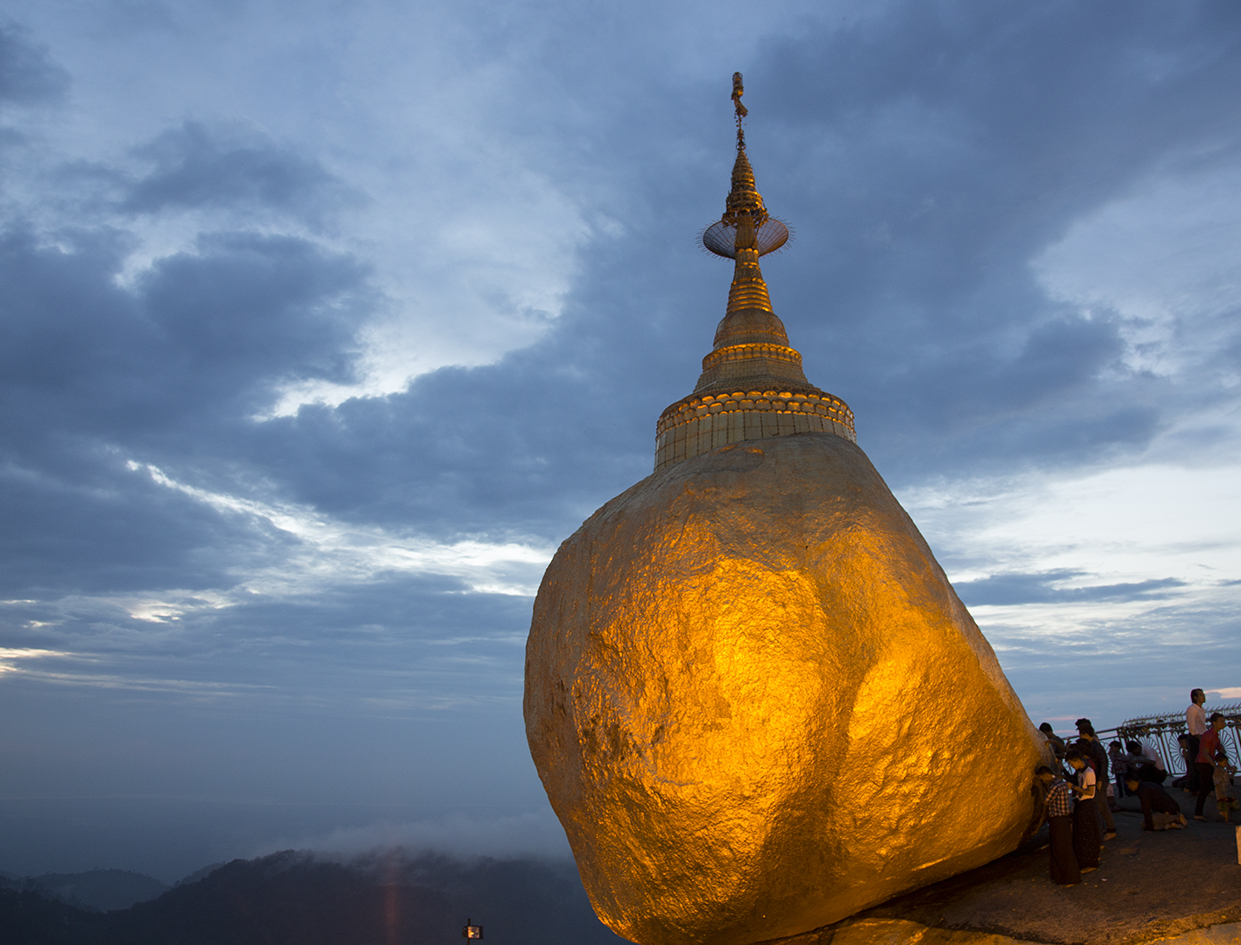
<point>1189,759</point>
<point>1146,763</point>
<point>1055,741</point>
<point>1085,816</point>
<point>1224,801</point>
<point>1059,801</point>
<point>1196,726</point>
<point>1208,746</point>
<point>1159,810</point>
<point>1120,767</point>
<point>1098,757</point>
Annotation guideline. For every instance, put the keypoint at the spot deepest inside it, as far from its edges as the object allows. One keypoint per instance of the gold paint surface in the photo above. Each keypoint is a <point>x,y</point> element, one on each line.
<point>758,706</point>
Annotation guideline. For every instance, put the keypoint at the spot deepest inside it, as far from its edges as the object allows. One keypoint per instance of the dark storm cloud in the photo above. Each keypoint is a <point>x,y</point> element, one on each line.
<point>95,375</point>
<point>395,640</point>
<point>196,166</point>
<point>909,290</point>
<point>933,151</point>
<point>926,155</point>
<point>201,333</point>
<point>1045,588</point>
<point>27,75</point>
<point>77,522</point>
<point>530,445</point>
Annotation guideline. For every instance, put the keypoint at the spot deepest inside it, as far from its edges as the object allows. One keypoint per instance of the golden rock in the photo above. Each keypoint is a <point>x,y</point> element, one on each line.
<point>755,701</point>
<point>758,706</point>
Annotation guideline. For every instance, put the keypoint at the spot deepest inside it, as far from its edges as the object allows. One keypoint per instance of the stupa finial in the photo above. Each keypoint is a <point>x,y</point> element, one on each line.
<point>741,110</point>
<point>746,223</point>
<point>745,232</point>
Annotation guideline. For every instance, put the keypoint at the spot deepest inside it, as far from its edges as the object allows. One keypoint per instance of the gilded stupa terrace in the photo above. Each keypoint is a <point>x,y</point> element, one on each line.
<point>699,424</point>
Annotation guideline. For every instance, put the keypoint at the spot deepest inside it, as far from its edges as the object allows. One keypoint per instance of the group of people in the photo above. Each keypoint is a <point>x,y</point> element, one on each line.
<point>1207,769</point>
<point>1077,807</point>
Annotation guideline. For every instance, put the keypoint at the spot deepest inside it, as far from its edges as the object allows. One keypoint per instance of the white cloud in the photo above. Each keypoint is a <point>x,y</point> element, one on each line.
<point>327,550</point>
<point>1164,258</point>
<point>1122,525</point>
<point>11,657</point>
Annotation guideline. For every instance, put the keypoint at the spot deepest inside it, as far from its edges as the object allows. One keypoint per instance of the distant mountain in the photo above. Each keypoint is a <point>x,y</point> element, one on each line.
<point>295,898</point>
<point>199,874</point>
<point>29,918</point>
<point>104,890</point>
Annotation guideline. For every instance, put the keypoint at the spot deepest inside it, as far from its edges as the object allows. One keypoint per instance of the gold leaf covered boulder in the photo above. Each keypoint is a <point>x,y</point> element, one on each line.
<point>755,701</point>
<point>758,706</point>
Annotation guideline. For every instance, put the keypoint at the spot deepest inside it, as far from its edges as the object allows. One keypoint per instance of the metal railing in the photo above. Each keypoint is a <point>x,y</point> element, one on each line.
<point>1162,730</point>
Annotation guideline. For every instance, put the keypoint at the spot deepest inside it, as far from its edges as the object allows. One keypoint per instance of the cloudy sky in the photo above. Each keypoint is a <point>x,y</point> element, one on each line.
<point>325,322</point>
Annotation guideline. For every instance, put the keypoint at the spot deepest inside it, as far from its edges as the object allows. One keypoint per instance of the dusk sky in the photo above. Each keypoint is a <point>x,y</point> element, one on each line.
<point>324,323</point>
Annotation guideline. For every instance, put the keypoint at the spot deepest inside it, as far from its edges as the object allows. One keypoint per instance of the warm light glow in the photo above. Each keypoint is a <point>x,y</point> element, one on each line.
<point>747,684</point>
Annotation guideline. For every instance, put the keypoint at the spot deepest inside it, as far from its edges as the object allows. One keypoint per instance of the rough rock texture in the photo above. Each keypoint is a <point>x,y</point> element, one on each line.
<point>757,705</point>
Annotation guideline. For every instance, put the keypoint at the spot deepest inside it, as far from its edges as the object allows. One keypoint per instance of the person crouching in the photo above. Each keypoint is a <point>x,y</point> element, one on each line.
<point>1159,810</point>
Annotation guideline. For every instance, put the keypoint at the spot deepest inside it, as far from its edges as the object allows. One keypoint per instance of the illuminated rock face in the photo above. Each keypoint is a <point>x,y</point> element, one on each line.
<point>758,706</point>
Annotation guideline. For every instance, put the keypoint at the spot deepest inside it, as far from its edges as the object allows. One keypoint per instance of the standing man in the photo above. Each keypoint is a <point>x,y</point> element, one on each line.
<point>1059,801</point>
<point>1206,762</point>
<point>1055,741</point>
<point>1085,820</point>
<point>1196,725</point>
<point>1098,757</point>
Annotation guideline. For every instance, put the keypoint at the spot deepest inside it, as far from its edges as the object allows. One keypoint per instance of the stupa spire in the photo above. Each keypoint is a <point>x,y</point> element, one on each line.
<point>751,361</point>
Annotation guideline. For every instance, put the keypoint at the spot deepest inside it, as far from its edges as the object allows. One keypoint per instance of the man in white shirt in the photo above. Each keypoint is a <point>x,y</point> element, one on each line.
<point>1149,753</point>
<point>1085,815</point>
<point>1145,762</point>
<point>1196,724</point>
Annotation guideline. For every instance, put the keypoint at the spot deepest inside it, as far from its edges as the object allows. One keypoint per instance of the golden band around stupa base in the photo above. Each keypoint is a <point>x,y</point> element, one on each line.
<point>721,359</point>
<point>704,422</point>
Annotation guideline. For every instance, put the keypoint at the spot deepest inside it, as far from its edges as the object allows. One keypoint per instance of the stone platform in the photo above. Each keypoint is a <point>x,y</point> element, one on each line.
<point>1178,887</point>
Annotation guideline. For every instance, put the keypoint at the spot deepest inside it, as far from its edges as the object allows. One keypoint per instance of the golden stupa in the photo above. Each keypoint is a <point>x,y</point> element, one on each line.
<point>754,699</point>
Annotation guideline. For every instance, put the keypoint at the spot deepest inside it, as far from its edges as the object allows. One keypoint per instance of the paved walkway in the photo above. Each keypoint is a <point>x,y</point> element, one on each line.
<point>1175,886</point>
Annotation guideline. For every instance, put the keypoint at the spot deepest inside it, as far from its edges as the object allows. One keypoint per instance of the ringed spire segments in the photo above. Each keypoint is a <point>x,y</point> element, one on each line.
<point>752,385</point>
<point>745,218</point>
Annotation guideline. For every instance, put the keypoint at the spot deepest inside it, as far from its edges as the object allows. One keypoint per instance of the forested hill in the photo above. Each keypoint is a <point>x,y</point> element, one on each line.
<point>299,899</point>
